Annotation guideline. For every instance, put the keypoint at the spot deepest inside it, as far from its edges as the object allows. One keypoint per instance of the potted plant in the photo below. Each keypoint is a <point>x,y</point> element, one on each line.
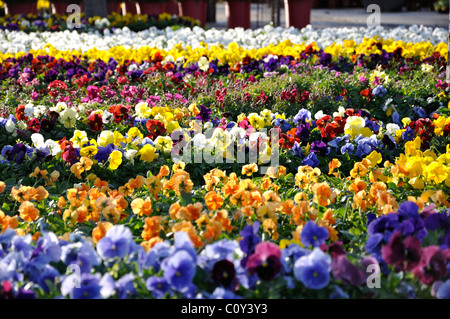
<point>298,13</point>
<point>239,13</point>
<point>130,7</point>
<point>152,6</point>
<point>172,7</point>
<point>195,9</point>
<point>21,7</point>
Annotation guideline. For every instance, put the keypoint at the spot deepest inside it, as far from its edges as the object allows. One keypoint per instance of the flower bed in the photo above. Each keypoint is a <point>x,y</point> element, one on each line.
<point>55,23</point>
<point>124,165</point>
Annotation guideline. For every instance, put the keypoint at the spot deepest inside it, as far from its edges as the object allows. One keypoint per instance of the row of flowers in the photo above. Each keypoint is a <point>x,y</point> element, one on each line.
<point>57,23</point>
<point>70,266</point>
<point>172,38</point>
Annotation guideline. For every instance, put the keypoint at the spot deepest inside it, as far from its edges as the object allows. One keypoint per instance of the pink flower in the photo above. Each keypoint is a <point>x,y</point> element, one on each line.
<point>265,261</point>
<point>34,96</point>
<point>432,265</point>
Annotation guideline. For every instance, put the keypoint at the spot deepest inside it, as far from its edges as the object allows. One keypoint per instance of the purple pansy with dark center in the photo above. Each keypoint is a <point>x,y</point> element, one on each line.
<point>403,254</point>
<point>265,261</point>
<point>432,265</point>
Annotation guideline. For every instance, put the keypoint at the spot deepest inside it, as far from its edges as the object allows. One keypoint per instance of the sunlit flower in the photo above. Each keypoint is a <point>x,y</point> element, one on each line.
<point>115,159</point>
<point>28,212</point>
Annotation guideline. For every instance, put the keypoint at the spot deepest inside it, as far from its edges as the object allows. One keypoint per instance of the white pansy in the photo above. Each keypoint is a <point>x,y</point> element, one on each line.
<point>10,126</point>
<point>427,68</point>
<point>21,125</point>
<point>238,132</point>
<point>107,117</point>
<point>203,64</point>
<point>319,115</point>
<point>48,146</point>
<point>25,23</point>
<point>199,141</point>
<point>391,128</point>
<point>39,110</point>
<point>181,60</point>
<point>132,67</point>
<point>68,117</point>
<point>29,110</point>
<point>208,125</point>
<point>59,107</point>
<point>270,56</point>
<point>167,58</point>
<point>130,154</point>
<point>340,112</point>
<point>167,39</point>
<point>37,139</point>
<point>53,147</point>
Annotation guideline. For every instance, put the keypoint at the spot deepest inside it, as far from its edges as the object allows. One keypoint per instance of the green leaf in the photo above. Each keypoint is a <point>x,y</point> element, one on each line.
<point>355,231</point>
<point>186,198</point>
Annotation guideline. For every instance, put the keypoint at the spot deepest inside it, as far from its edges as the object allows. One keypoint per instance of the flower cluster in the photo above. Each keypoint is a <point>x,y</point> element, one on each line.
<point>224,170</point>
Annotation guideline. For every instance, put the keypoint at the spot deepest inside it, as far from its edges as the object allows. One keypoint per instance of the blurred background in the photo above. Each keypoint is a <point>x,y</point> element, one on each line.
<point>251,13</point>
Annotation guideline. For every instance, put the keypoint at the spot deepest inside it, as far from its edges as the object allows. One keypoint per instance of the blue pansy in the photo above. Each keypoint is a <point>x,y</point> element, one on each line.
<point>408,134</point>
<point>282,124</point>
<point>297,150</point>
<point>420,111</point>
<point>159,286</point>
<point>289,255</point>
<point>444,291</point>
<point>179,269</point>
<point>313,235</point>
<point>84,286</point>
<point>379,90</point>
<point>183,242</point>
<point>49,273</point>
<point>116,243</point>
<point>223,249</point>
<point>348,148</point>
<point>125,286</point>
<point>408,209</point>
<point>302,116</point>
<point>339,293</point>
<point>313,270</point>
<point>155,256</point>
<point>311,160</point>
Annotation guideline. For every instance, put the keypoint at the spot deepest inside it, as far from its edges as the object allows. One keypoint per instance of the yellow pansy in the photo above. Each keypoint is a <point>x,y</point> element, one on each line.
<point>133,133</point>
<point>79,138</point>
<point>436,172</point>
<point>147,153</point>
<point>105,138</point>
<point>115,159</point>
